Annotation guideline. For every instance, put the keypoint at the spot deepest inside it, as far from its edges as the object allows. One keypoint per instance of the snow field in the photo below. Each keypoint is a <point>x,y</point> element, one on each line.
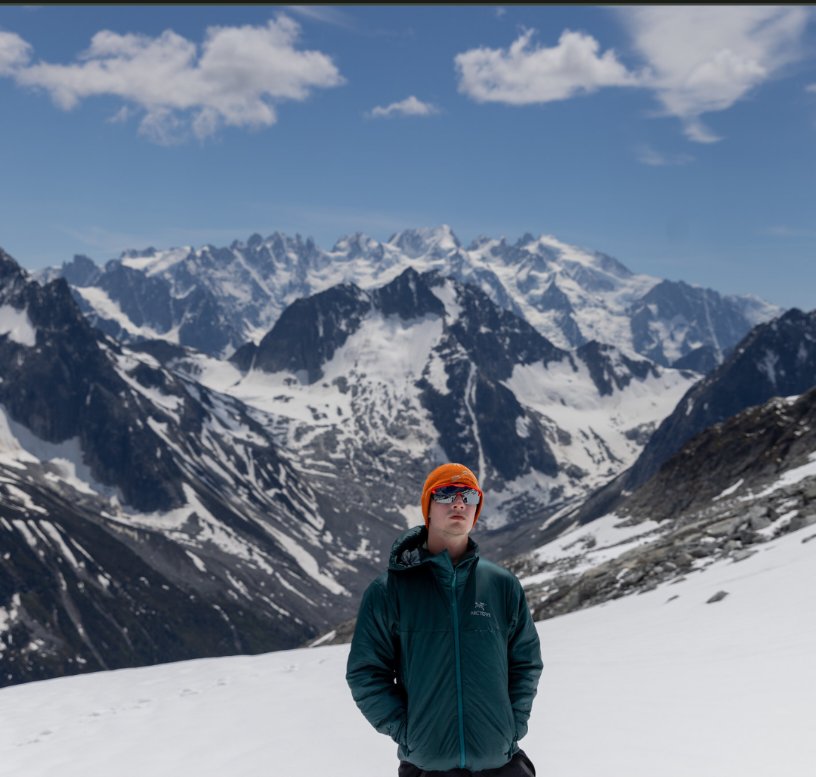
<point>655,685</point>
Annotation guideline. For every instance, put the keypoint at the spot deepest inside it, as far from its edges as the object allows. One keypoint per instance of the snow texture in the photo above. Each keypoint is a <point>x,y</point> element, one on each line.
<point>17,326</point>
<point>660,684</point>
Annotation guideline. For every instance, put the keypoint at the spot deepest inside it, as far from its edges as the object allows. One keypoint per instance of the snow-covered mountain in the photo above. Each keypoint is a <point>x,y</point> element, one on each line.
<point>144,517</point>
<point>255,496</point>
<point>372,386</point>
<point>217,299</point>
<point>160,504</point>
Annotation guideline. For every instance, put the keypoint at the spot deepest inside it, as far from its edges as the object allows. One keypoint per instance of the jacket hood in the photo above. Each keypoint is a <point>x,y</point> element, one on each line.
<point>409,550</point>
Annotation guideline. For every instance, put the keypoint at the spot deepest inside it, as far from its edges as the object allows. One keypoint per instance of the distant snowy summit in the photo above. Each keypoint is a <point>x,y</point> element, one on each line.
<point>218,299</point>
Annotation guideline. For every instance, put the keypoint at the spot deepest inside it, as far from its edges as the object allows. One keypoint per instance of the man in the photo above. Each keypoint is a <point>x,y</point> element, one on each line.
<point>445,657</point>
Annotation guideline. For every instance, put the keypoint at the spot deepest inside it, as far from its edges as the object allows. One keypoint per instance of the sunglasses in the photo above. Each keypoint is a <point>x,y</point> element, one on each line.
<point>446,494</point>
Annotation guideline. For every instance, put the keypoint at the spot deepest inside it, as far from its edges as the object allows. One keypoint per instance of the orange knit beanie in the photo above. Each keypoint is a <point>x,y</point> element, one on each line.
<point>449,475</point>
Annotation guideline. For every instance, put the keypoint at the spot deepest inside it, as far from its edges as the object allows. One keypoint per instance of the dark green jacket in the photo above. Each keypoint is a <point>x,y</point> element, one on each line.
<point>445,660</point>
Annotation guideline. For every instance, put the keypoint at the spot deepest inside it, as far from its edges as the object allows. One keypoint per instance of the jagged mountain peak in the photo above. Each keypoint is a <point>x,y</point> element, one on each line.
<point>480,242</point>
<point>409,295</point>
<point>239,292</point>
<point>310,330</point>
<point>277,243</point>
<point>138,253</point>
<point>152,261</point>
<point>567,256</point>
<point>787,339</point>
<point>356,244</point>
<point>10,269</point>
<point>425,240</point>
<point>81,271</point>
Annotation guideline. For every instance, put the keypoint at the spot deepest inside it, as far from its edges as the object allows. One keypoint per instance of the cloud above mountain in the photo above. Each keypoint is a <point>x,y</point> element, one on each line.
<point>526,73</point>
<point>235,78</point>
<point>703,59</point>
<point>410,106</point>
<point>695,60</point>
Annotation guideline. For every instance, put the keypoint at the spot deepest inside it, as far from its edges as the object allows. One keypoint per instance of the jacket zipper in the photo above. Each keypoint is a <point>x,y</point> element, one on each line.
<point>458,673</point>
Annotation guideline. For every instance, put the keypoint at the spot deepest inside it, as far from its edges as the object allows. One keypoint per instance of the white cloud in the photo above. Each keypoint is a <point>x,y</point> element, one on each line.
<point>649,156</point>
<point>695,59</point>
<point>238,77</point>
<point>410,106</point>
<point>525,73</point>
<point>703,59</point>
<point>14,53</point>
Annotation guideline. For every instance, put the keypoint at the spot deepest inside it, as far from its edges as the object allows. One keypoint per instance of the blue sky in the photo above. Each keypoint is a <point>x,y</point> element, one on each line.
<point>681,140</point>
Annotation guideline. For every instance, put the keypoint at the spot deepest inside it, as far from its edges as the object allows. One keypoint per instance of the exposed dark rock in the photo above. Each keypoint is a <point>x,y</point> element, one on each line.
<point>81,271</point>
<point>610,369</point>
<point>309,332</point>
<point>704,360</point>
<point>408,296</point>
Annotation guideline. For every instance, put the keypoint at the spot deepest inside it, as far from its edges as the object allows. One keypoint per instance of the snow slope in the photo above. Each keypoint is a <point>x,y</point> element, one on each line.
<point>661,684</point>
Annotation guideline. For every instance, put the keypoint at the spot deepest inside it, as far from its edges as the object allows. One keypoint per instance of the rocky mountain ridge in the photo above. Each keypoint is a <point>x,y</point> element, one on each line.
<point>425,368</point>
<point>731,489</point>
<point>145,517</point>
<point>217,299</point>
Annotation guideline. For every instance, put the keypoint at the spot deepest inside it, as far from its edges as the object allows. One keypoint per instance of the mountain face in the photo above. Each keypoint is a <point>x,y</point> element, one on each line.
<point>762,450</point>
<point>144,517</point>
<point>241,506</point>
<point>776,359</point>
<point>158,504</point>
<point>218,299</point>
<point>699,318</point>
<point>374,386</point>
<point>59,383</point>
<point>726,493</point>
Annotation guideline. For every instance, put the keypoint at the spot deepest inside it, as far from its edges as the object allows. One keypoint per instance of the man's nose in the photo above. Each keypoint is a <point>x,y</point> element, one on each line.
<point>459,500</point>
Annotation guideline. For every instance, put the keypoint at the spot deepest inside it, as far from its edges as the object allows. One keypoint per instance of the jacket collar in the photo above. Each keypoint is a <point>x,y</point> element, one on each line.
<point>410,551</point>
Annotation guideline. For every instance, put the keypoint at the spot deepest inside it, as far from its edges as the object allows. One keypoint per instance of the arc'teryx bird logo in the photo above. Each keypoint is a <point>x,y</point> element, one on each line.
<point>479,609</point>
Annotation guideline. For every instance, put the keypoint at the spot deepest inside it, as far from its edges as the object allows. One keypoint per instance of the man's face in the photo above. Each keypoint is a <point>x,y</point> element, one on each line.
<point>451,520</point>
